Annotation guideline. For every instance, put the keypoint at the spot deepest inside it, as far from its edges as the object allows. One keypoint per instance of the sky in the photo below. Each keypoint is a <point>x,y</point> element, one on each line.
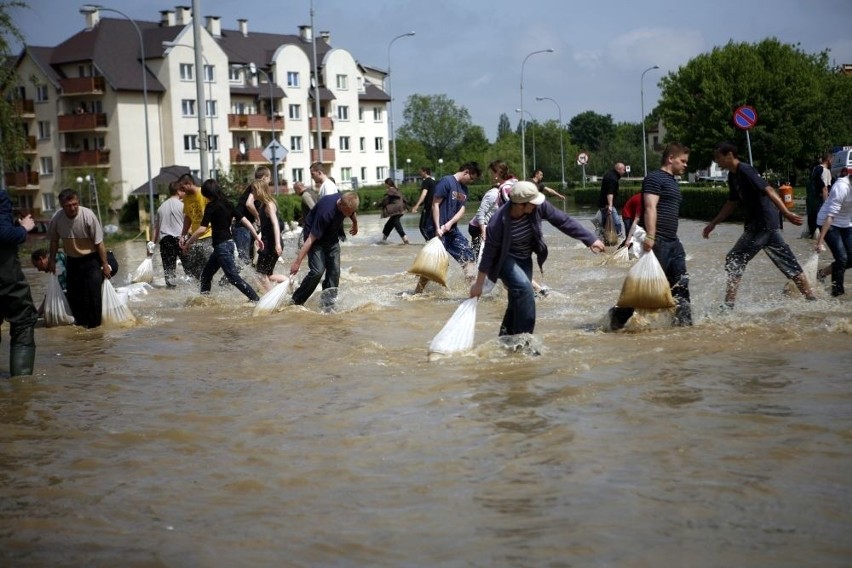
<point>473,51</point>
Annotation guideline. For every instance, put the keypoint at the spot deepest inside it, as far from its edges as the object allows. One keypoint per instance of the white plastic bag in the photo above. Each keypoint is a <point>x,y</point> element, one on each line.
<point>432,262</point>
<point>646,286</point>
<point>57,311</point>
<point>457,333</point>
<point>275,299</point>
<point>145,272</point>
<point>113,310</point>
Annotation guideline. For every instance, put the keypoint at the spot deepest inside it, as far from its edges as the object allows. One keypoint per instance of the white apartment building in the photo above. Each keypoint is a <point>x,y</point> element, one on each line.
<point>82,105</point>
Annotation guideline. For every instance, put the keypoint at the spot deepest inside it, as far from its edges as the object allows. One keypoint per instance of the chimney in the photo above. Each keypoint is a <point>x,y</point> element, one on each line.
<point>243,23</point>
<point>305,33</point>
<point>214,26</point>
<point>325,36</point>
<point>184,15</point>
<point>167,18</point>
<point>93,16</point>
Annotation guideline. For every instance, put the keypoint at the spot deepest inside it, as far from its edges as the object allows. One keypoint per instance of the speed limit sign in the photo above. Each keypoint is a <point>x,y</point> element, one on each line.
<point>582,159</point>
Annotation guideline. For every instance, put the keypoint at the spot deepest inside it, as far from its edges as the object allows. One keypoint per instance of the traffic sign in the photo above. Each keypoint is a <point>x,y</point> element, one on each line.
<point>275,151</point>
<point>582,159</point>
<point>627,169</point>
<point>745,117</point>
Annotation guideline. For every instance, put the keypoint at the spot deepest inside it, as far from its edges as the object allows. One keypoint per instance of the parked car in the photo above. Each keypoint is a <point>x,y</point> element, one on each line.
<point>842,159</point>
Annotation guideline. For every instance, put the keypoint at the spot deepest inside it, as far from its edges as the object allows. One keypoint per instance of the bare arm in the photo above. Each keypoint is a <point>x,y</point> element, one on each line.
<point>419,200</point>
<point>723,214</point>
<point>294,268</point>
<point>649,201</point>
<point>779,204</point>
<point>102,254</point>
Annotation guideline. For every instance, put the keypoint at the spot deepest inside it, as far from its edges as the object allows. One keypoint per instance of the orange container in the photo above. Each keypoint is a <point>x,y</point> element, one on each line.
<point>786,192</point>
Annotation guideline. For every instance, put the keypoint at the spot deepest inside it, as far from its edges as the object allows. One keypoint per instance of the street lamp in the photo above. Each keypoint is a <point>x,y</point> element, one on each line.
<point>170,44</point>
<point>390,94</point>
<point>642,102</point>
<point>408,167</point>
<point>561,147</point>
<point>440,166</point>
<point>89,9</point>
<point>523,133</point>
<point>254,70</point>
<point>533,132</point>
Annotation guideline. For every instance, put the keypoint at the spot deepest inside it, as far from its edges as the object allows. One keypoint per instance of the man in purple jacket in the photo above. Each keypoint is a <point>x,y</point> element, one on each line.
<point>514,233</point>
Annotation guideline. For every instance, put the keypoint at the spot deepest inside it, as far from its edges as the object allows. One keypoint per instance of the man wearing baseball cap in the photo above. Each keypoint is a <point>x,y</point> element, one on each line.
<point>513,235</point>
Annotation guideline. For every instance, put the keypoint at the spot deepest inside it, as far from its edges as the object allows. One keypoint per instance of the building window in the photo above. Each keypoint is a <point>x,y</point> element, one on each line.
<point>380,172</point>
<point>295,112</point>
<point>346,174</point>
<point>377,114</point>
<point>364,174</point>
<point>46,166</point>
<point>43,130</point>
<point>342,82</point>
<point>213,142</point>
<point>24,201</point>
<point>298,174</point>
<point>234,75</point>
<point>295,143</point>
<point>209,74</point>
<point>188,107</point>
<point>361,114</point>
<point>186,71</point>
<point>363,144</point>
<point>293,79</point>
<point>343,112</point>
<point>240,108</point>
<point>380,144</point>
<point>48,202</point>
<point>211,108</point>
<point>190,142</point>
<point>344,143</point>
<point>41,93</point>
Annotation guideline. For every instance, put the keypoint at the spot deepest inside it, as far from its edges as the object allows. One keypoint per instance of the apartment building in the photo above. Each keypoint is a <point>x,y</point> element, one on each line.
<point>83,105</point>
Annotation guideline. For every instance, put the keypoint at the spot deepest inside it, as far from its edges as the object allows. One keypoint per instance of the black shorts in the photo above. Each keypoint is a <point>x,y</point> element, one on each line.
<point>266,263</point>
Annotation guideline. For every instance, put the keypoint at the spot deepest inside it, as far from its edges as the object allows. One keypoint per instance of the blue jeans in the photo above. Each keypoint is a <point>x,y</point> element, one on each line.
<point>839,241</point>
<point>321,259</point>
<point>516,275</point>
<point>243,240</point>
<point>223,257</point>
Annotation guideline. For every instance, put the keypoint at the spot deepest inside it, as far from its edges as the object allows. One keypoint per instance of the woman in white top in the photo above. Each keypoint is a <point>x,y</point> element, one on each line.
<point>835,221</point>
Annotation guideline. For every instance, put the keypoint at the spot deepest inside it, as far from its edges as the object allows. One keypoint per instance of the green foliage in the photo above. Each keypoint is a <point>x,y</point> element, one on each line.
<point>700,203</point>
<point>13,138</point>
<point>504,127</point>
<point>129,214</point>
<point>437,123</point>
<point>590,130</point>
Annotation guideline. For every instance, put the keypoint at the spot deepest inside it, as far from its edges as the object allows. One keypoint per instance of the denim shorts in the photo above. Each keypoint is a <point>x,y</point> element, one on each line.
<point>770,241</point>
<point>458,246</point>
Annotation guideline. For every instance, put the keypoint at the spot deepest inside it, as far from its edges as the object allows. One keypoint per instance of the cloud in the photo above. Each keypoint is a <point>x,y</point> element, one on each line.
<point>667,47</point>
<point>588,58</point>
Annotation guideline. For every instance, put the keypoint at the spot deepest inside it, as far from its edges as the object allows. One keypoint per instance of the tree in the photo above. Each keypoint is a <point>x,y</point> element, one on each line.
<point>590,130</point>
<point>436,122</point>
<point>12,135</point>
<point>788,88</point>
<point>504,127</point>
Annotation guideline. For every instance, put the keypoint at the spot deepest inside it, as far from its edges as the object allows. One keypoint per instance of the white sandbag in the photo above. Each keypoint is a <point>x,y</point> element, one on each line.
<point>488,285</point>
<point>57,310</point>
<point>646,286</point>
<point>113,310</point>
<point>809,269</point>
<point>620,256</point>
<point>457,333</point>
<point>610,234</point>
<point>432,262</point>
<point>275,299</point>
<point>145,272</point>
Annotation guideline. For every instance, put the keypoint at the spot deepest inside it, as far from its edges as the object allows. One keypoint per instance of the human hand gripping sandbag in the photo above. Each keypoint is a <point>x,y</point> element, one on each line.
<point>457,333</point>
<point>646,286</point>
<point>144,273</point>
<point>57,311</point>
<point>113,310</point>
<point>275,299</point>
<point>432,262</point>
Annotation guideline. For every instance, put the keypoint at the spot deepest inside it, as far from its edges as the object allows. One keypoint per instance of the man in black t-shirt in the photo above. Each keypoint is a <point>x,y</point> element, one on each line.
<point>606,201</point>
<point>820,184</point>
<point>427,190</point>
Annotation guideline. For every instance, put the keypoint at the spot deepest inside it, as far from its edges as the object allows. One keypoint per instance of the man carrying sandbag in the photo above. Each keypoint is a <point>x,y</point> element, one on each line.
<point>661,198</point>
<point>514,233</point>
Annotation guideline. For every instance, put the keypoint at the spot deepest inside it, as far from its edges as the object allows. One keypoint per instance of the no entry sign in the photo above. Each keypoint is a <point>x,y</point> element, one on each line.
<point>745,117</point>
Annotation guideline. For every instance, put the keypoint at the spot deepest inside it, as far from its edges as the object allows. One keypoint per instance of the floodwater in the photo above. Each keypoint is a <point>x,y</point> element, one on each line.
<point>203,436</point>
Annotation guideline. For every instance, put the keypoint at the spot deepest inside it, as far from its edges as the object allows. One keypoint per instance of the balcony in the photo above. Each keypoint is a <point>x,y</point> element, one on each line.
<point>30,145</point>
<point>254,122</point>
<point>82,122</point>
<point>82,86</point>
<point>25,108</point>
<point>21,180</point>
<point>327,155</point>
<point>325,122</point>
<point>85,158</point>
<point>252,156</point>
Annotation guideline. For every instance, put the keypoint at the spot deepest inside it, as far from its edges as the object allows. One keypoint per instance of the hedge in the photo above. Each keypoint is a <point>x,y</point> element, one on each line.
<point>700,203</point>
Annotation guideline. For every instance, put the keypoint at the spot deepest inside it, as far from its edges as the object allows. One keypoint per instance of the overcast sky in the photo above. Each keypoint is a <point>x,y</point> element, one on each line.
<point>473,50</point>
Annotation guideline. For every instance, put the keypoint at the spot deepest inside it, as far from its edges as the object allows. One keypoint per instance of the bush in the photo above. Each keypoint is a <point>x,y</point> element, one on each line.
<point>700,203</point>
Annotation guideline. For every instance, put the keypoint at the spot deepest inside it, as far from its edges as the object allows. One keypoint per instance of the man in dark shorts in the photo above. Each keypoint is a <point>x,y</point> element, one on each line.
<point>427,191</point>
<point>762,224</point>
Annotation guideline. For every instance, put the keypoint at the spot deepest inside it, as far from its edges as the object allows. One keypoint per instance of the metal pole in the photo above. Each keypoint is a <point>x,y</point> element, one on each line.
<point>255,70</point>
<point>642,102</point>
<point>199,89</point>
<point>561,147</point>
<point>523,129</point>
<point>316,86</point>
<point>390,94</point>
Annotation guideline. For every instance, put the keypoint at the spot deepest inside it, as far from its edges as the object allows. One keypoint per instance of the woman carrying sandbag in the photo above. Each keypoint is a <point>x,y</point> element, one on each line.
<point>661,201</point>
<point>514,234</point>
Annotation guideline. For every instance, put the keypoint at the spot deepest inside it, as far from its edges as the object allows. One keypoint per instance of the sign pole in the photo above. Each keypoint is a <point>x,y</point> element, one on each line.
<point>748,143</point>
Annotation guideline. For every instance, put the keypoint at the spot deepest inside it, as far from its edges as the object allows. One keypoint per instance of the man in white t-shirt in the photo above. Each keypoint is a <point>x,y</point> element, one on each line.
<point>325,183</point>
<point>167,230</point>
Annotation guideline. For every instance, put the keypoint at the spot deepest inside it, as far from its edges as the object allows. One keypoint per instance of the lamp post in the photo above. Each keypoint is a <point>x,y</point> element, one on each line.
<point>254,70</point>
<point>390,94</point>
<point>642,102</point>
<point>561,147</point>
<point>170,44</point>
<point>408,167</point>
<point>533,132</point>
<point>523,133</point>
<point>90,9</point>
<point>440,166</point>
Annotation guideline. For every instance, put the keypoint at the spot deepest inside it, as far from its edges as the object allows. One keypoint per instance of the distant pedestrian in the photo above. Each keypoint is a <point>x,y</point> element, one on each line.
<point>246,207</point>
<point>167,231</point>
<point>538,179</point>
<point>835,220</point>
<point>393,207</point>
<point>607,201</point>
<point>818,187</point>
<point>270,234</point>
